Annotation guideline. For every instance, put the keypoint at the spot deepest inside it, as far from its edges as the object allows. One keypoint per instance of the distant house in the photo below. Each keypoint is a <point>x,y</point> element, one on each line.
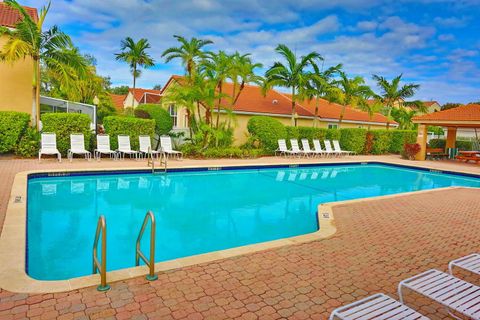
<point>15,79</point>
<point>432,106</point>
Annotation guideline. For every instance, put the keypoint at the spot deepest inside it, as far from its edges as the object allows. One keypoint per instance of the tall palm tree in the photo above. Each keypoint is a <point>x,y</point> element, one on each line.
<point>243,72</point>
<point>292,74</point>
<point>354,90</point>
<point>370,106</point>
<point>190,51</point>
<point>51,49</point>
<point>135,54</point>
<point>393,95</point>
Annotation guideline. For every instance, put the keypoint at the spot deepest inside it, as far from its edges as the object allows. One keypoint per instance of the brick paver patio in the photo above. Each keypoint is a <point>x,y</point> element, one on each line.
<point>378,243</point>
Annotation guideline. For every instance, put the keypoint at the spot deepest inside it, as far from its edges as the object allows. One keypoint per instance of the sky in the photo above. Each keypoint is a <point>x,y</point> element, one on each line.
<point>431,42</point>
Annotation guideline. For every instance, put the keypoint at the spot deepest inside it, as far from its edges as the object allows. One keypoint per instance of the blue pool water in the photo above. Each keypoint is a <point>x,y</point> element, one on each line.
<point>196,212</point>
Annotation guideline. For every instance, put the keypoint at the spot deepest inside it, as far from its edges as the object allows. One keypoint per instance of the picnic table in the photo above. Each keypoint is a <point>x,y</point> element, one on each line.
<point>468,156</point>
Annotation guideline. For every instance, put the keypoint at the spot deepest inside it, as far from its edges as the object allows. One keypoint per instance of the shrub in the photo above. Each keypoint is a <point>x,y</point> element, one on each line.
<point>163,120</point>
<point>460,144</point>
<point>400,138</point>
<point>195,151</point>
<point>353,139</point>
<point>29,143</point>
<point>64,124</point>
<point>410,150</point>
<point>133,127</point>
<point>333,134</point>
<point>12,126</point>
<point>381,141</point>
<point>266,131</point>
<point>292,133</point>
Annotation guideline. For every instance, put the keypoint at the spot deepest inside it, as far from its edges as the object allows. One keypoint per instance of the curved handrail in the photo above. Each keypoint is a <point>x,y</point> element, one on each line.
<point>102,265</point>
<point>138,252</point>
<point>151,160</point>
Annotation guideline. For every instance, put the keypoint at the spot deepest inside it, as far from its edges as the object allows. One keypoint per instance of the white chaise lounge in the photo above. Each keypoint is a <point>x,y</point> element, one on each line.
<point>317,146</point>
<point>377,306</point>
<point>48,146</point>
<point>77,146</point>
<point>306,148</point>
<point>296,149</point>
<point>338,149</point>
<point>103,147</point>
<point>328,149</point>
<point>470,263</point>
<point>124,147</point>
<point>282,148</point>
<point>146,147</point>
<point>166,147</point>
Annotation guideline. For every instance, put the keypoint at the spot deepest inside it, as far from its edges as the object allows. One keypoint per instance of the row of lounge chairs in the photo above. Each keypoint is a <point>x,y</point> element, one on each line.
<point>306,151</point>
<point>456,295</point>
<point>77,147</point>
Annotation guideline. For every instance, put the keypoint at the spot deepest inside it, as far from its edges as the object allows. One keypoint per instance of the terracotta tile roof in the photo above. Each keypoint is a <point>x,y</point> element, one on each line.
<point>152,96</point>
<point>9,16</point>
<point>430,103</point>
<point>118,100</point>
<point>469,112</point>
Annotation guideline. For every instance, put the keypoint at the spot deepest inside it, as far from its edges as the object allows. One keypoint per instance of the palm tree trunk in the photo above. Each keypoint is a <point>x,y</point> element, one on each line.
<point>220,89</point>
<point>388,117</point>
<point>342,114</point>
<point>35,93</point>
<point>315,119</point>
<point>134,83</point>
<point>238,94</point>
<point>294,123</point>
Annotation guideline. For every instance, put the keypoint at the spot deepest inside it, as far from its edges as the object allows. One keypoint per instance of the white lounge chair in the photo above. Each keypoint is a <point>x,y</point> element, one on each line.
<point>146,147</point>
<point>377,306</point>
<point>338,149</point>
<point>282,148</point>
<point>470,263</point>
<point>125,148</point>
<point>103,147</point>
<point>447,290</point>
<point>48,145</point>
<point>77,146</point>
<point>318,147</point>
<point>328,148</point>
<point>166,145</point>
<point>296,149</point>
<point>306,148</point>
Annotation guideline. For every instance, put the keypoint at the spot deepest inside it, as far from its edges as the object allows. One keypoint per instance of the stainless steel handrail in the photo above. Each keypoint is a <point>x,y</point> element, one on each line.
<point>138,252</point>
<point>151,160</point>
<point>102,265</point>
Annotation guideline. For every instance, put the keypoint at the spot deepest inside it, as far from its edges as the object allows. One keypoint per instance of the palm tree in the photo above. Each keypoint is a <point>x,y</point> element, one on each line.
<point>291,75</point>
<point>51,49</point>
<point>135,54</point>
<point>190,51</point>
<point>354,90</point>
<point>243,72</point>
<point>370,106</point>
<point>392,95</point>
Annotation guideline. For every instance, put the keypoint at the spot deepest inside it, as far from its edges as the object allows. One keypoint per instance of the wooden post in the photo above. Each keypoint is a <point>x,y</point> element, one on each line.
<point>422,141</point>
<point>451,137</point>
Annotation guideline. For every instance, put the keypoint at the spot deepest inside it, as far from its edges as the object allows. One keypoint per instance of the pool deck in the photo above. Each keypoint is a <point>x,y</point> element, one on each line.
<point>370,253</point>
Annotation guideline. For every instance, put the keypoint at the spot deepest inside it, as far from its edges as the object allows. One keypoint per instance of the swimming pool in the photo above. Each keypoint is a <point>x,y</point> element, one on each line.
<point>196,211</point>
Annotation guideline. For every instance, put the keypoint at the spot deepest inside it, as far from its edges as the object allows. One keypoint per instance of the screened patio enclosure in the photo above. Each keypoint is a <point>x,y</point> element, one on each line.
<point>48,104</point>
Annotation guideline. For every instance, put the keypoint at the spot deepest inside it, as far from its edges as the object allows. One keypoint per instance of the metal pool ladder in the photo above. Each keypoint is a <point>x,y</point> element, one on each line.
<point>138,252</point>
<point>151,160</point>
<point>102,265</point>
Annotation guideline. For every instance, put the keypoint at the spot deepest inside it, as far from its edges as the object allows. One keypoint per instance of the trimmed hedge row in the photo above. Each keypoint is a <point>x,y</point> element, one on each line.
<point>266,131</point>
<point>12,127</point>
<point>460,144</point>
<point>133,127</point>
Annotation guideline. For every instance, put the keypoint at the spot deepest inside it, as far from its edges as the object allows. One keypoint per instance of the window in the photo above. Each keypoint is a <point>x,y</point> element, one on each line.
<point>332,126</point>
<point>172,110</point>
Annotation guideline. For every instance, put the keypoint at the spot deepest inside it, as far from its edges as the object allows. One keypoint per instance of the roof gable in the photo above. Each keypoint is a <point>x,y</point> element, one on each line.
<point>469,112</point>
<point>9,17</point>
<point>146,95</point>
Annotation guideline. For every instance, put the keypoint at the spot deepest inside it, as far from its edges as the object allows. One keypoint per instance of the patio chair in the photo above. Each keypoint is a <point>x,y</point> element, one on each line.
<point>146,147</point>
<point>470,263</point>
<point>282,148</point>
<point>377,306</point>
<point>103,147</point>
<point>447,290</point>
<point>166,145</point>
<point>306,148</point>
<point>328,148</point>
<point>48,146</point>
<point>296,149</point>
<point>338,149</point>
<point>77,146</point>
<point>318,147</point>
<point>125,148</point>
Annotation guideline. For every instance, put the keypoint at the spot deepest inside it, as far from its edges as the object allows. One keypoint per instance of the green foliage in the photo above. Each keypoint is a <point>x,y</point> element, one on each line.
<point>381,141</point>
<point>29,143</point>
<point>194,151</point>
<point>64,124</point>
<point>353,139</point>
<point>450,105</point>
<point>312,133</point>
<point>438,131</point>
<point>266,131</point>
<point>163,120</point>
<point>12,126</point>
<point>133,127</point>
<point>460,144</point>
<point>400,138</point>
<point>119,90</point>
<point>333,134</point>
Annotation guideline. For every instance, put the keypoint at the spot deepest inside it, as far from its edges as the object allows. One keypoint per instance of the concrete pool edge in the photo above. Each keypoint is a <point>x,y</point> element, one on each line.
<point>13,237</point>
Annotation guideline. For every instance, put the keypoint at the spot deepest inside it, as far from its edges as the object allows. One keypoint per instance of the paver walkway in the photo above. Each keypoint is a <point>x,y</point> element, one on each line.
<point>378,243</point>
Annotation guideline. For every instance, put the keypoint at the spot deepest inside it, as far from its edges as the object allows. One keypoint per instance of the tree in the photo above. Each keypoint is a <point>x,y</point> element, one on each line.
<point>292,74</point>
<point>370,106</point>
<point>354,90</point>
<point>404,118</point>
<point>51,49</point>
<point>190,51</point>
<point>157,87</point>
<point>119,90</point>
<point>135,54</point>
<point>450,105</point>
<point>392,95</point>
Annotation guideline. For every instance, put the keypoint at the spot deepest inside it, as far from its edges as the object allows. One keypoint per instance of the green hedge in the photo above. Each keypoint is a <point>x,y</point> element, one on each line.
<point>163,120</point>
<point>266,131</point>
<point>353,139</point>
<point>133,127</point>
<point>399,138</point>
<point>12,126</point>
<point>64,124</point>
<point>29,144</point>
<point>381,141</point>
<point>460,144</point>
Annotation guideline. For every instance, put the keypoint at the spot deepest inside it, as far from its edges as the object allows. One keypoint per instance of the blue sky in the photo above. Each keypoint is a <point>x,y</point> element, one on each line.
<point>432,42</point>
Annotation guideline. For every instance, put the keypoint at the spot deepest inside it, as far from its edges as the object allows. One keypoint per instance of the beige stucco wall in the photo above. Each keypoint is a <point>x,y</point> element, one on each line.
<point>16,84</point>
<point>130,101</point>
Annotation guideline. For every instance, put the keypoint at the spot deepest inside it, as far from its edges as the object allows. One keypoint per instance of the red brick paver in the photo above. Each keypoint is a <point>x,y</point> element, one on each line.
<point>378,243</point>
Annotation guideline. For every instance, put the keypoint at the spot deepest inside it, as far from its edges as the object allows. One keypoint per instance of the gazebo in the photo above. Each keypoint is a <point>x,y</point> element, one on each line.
<point>467,116</point>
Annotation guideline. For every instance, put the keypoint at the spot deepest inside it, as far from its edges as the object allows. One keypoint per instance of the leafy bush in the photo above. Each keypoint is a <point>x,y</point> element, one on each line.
<point>12,126</point>
<point>29,143</point>
<point>64,124</point>
<point>381,141</point>
<point>399,138</point>
<point>133,127</point>
<point>266,131</point>
<point>195,151</point>
<point>333,134</point>
<point>460,144</point>
<point>410,150</point>
<point>353,139</point>
<point>163,120</point>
